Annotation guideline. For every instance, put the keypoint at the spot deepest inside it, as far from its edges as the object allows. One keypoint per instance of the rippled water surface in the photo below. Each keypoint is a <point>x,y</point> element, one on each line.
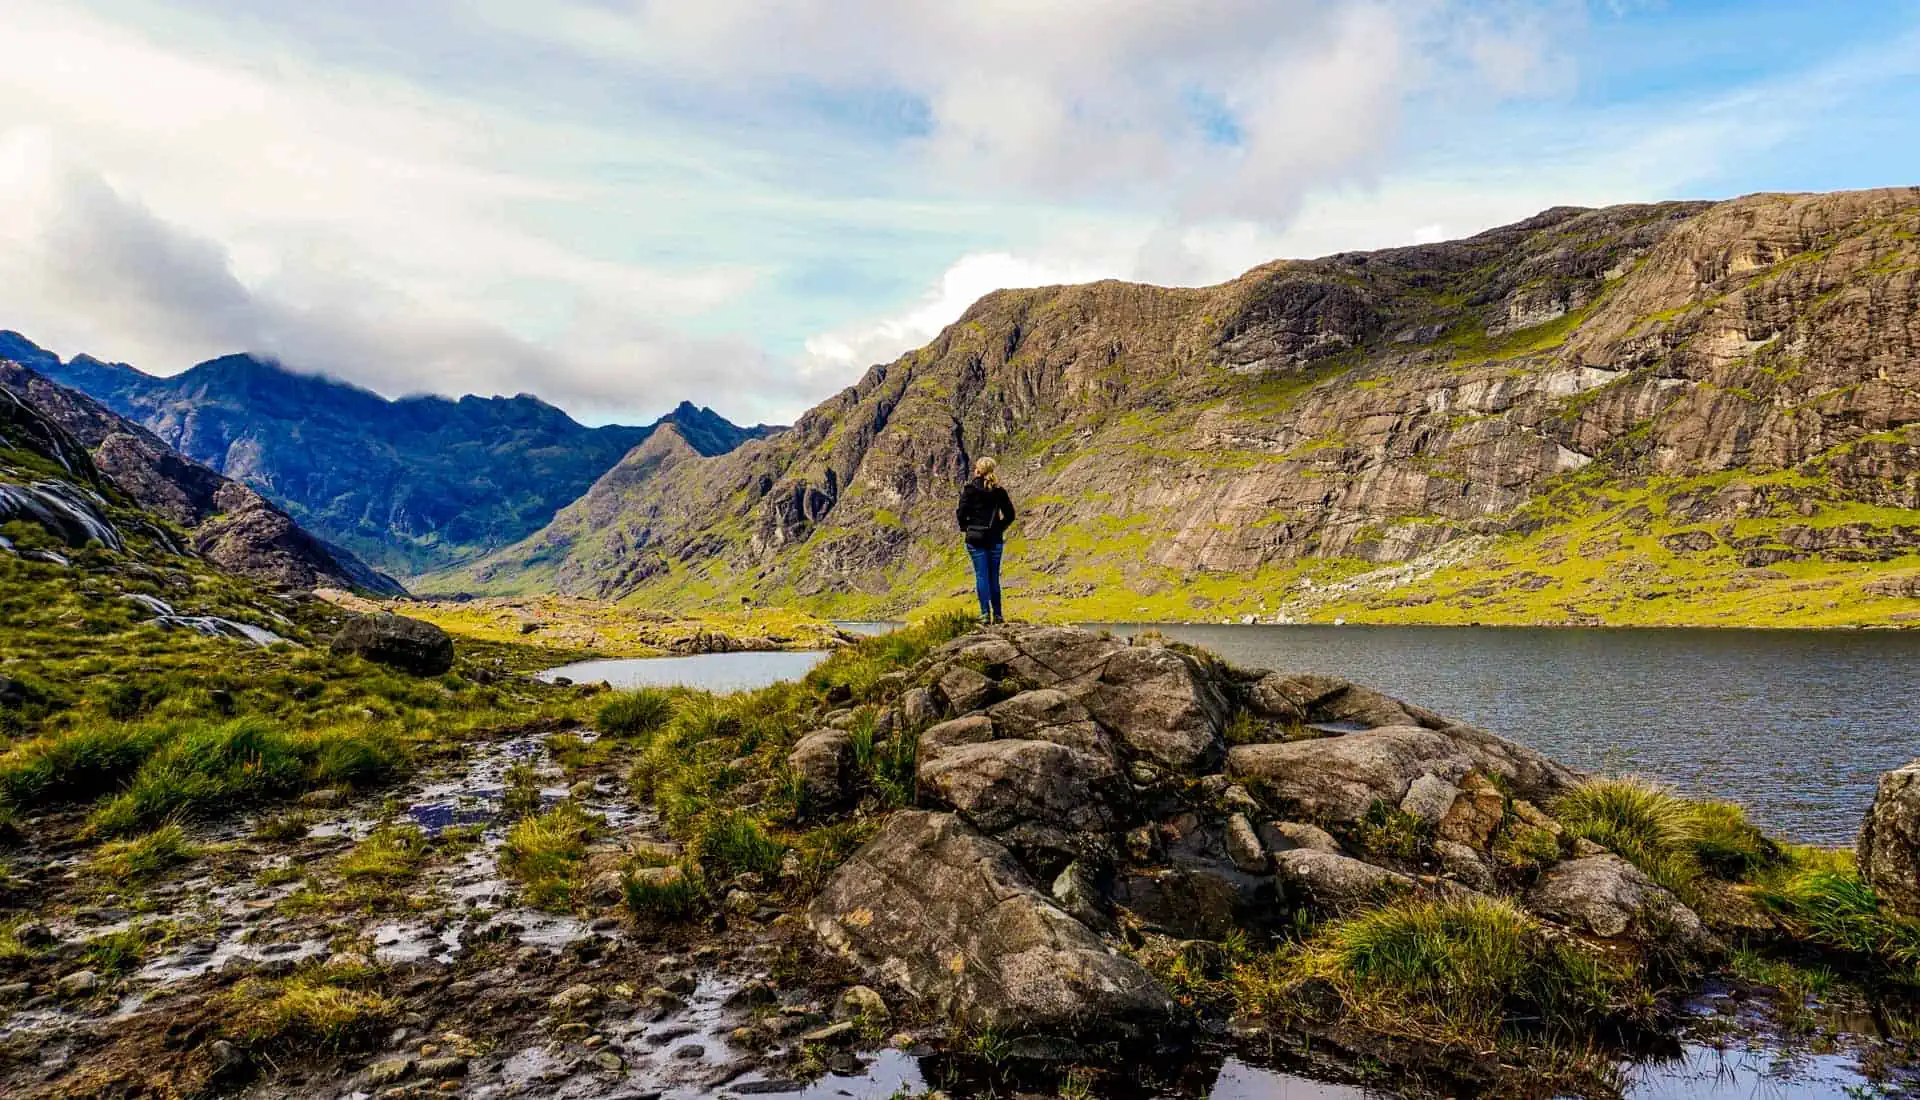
<point>1797,725</point>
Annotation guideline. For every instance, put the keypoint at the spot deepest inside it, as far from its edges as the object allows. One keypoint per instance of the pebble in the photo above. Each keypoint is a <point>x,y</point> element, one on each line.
<point>574,997</point>
<point>388,1071</point>
<point>80,983</point>
<point>450,1066</point>
<point>608,1061</point>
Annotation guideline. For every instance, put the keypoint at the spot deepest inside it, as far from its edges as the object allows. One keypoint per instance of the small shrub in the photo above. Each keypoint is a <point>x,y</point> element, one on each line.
<point>634,713</point>
<point>672,894</point>
<point>547,852</point>
<point>729,844</point>
<point>146,856</point>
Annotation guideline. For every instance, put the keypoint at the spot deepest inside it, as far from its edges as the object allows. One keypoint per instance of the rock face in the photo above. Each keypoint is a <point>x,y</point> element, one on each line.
<point>1889,849</point>
<point>1085,793</point>
<point>1453,386</point>
<point>398,642</point>
<point>228,524</point>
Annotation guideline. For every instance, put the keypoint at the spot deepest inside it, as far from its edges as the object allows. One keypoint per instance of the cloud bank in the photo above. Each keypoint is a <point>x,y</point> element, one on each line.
<point>617,205</point>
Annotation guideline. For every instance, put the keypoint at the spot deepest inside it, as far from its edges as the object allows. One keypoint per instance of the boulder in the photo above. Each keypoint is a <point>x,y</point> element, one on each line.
<point>1066,654</point>
<point>1338,884</point>
<point>1049,714</point>
<point>1889,849</point>
<point>823,763</point>
<point>918,709</point>
<point>971,730</point>
<point>1335,780</point>
<point>1285,836</point>
<point>1197,900</point>
<point>998,785</point>
<point>947,916</point>
<point>862,1003</point>
<point>1475,814</point>
<point>1606,896</point>
<point>964,689</point>
<point>1160,704</point>
<point>1465,864</point>
<point>409,645</point>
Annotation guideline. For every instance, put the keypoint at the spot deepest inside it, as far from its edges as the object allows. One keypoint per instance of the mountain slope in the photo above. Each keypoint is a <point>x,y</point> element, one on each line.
<point>227,523</point>
<point>1674,412</point>
<point>412,484</point>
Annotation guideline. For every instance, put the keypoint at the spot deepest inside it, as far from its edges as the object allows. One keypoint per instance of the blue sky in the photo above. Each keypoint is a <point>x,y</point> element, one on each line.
<point>617,204</point>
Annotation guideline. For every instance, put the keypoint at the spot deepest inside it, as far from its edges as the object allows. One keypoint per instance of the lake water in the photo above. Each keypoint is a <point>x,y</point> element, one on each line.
<point>1795,725</point>
<point>721,672</point>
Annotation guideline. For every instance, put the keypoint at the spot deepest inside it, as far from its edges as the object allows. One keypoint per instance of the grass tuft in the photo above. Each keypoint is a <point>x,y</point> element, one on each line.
<point>547,852</point>
<point>305,1011</point>
<point>635,713</point>
<point>145,856</point>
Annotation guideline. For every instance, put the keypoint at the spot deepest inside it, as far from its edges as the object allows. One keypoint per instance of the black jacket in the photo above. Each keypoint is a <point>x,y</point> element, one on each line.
<point>984,514</point>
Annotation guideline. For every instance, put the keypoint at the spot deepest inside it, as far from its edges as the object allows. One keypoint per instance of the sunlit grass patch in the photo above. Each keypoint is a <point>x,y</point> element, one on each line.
<point>391,854</point>
<point>634,713</point>
<point>1674,840</point>
<point>304,1010</point>
<point>145,856</point>
<point>661,893</point>
<point>546,854</point>
<point>1460,970</point>
<point>1823,900</point>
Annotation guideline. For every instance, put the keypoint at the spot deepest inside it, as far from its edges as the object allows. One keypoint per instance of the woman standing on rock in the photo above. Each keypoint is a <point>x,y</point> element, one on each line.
<point>984,514</point>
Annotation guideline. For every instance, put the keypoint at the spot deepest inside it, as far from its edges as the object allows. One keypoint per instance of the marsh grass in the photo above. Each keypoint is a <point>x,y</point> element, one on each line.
<point>547,853</point>
<point>733,843</point>
<point>634,713</point>
<point>116,953</point>
<point>1823,900</point>
<point>390,855</point>
<point>1675,840</point>
<point>1460,971</point>
<point>145,856</point>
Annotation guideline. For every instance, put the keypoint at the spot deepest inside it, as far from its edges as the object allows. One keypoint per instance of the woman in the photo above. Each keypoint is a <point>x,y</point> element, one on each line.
<point>983,515</point>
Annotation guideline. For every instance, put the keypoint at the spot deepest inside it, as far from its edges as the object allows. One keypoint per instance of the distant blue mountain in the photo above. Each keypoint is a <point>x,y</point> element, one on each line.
<point>411,485</point>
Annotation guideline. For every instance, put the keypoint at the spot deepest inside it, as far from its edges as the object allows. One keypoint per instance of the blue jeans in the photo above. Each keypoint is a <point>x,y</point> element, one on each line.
<point>986,578</point>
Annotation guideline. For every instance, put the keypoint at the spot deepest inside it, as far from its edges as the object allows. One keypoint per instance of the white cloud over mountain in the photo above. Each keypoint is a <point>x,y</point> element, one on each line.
<point>620,204</point>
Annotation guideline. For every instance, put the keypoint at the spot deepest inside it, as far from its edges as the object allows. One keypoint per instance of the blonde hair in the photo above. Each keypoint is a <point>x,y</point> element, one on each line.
<point>985,470</point>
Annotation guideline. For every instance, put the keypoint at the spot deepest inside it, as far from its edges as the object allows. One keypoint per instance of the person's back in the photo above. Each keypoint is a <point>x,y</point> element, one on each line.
<point>983,515</point>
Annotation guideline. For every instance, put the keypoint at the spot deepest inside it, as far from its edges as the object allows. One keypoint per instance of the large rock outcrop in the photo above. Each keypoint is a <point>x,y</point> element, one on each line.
<point>1073,786</point>
<point>1889,849</point>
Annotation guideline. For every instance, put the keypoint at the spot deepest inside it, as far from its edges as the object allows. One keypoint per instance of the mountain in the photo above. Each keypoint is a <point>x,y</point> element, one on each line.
<point>227,523</point>
<point>1683,411</point>
<point>409,485</point>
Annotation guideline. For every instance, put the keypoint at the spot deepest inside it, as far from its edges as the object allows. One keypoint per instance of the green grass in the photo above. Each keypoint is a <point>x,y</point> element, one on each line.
<point>732,843</point>
<point>143,857</point>
<point>1824,902</point>
<point>634,713</point>
<point>1674,840</point>
<point>1465,971</point>
<point>670,894</point>
<point>390,855</point>
<point>546,854</point>
<point>302,1012</point>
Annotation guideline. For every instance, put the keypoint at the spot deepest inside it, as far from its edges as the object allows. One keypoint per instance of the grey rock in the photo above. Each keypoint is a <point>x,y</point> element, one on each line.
<point>964,689</point>
<point>971,730</point>
<point>1888,853</point>
<point>823,761</point>
<point>948,917</point>
<point>1465,864</point>
<point>1000,785</point>
<point>409,645</point>
<point>387,1071</point>
<point>1338,884</point>
<point>860,1002</point>
<point>1244,847</point>
<point>1285,836</point>
<point>1158,702</point>
<point>1608,897</point>
<point>80,983</point>
<point>1337,779</point>
<point>442,1067</point>
<point>1429,798</point>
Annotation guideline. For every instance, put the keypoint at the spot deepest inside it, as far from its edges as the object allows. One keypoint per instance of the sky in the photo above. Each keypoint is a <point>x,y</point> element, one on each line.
<point>620,204</point>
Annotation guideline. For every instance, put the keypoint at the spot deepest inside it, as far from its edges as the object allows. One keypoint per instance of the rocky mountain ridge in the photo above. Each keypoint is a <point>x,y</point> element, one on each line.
<point>1567,419</point>
<point>226,523</point>
<point>409,484</point>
